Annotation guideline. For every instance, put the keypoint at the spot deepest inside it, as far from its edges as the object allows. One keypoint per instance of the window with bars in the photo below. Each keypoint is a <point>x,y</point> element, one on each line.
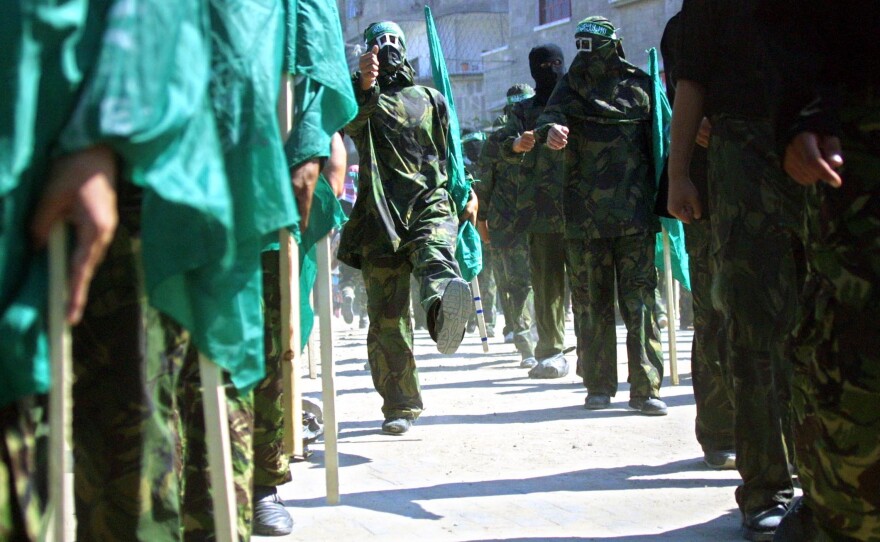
<point>553,10</point>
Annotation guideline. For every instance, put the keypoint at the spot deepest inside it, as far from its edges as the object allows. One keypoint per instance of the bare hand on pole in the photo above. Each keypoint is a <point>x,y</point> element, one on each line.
<point>304,177</point>
<point>525,142</point>
<point>81,191</point>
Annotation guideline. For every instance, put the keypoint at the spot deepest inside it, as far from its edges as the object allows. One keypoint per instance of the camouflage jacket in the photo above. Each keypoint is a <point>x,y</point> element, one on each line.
<point>539,200</point>
<point>609,188</point>
<point>401,137</point>
<point>497,192</point>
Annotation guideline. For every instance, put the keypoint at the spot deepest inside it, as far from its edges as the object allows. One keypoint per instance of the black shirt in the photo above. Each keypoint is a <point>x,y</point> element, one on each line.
<point>722,49</point>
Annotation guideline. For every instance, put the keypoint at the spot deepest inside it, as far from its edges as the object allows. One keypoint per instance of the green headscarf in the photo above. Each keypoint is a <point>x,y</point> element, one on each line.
<point>613,89</point>
<point>394,68</point>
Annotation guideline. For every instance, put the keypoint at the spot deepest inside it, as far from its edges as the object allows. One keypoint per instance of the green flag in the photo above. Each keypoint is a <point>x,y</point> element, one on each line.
<point>660,120</point>
<point>327,214</point>
<point>324,103</point>
<point>468,252</point>
<point>206,147</point>
<point>38,59</point>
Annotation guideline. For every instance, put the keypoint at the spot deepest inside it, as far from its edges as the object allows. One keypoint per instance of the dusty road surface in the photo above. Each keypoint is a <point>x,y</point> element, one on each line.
<point>498,456</point>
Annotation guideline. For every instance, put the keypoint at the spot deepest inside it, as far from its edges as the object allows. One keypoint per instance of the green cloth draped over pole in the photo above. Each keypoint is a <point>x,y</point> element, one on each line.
<point>469,252</point>
<point>40,57</point>
<point>326,215</point>
<point>217,184</point>
<point>661,117</point>
<point>324,103</point>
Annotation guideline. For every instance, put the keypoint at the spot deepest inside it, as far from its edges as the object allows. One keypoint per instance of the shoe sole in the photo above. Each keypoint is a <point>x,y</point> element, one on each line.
<point>730,464</point>
<point>757,536</point>
<point>456,306</point>
<point>603,406</point>
<point>395,431</point>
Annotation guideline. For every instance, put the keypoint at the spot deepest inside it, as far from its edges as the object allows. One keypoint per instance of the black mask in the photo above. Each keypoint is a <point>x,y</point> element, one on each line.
<point>547,76</point>
<point>390,60</point>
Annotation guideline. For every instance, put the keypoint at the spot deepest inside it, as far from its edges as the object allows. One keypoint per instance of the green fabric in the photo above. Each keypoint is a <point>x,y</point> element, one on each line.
<point>326,215</point>
<point>660,120</point>
<point>469,252</point>
<point>205,145</point>
<point>387,27</point>
<point>324,103</point>
<point>38,42</point>
<point>324,99</point>
<point>474,136</point>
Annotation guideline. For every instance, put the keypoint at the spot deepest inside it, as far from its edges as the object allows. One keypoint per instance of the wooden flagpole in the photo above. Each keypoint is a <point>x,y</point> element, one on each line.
<point>324,296</point>
<point>290,299</point>
<point>59,511</point>
<point>670,309</point>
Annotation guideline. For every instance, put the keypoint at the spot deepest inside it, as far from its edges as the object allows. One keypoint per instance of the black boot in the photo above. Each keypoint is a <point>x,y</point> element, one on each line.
<point>270,516</point>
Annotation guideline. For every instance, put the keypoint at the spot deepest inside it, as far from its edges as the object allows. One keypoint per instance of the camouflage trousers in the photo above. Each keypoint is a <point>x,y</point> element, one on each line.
<point>136,435</point>
<point>515,284</point>
<point>592,267</point>
<point>754,286</point>
<point>836,391</point>
<point>271,464</point>
<point>429,255</point>
<point>488,289</point>
<point>420,317</point>
<point>197,507</point>
<point>502,296</point>
<point>349,277</point>
<point>547,265</point>
<point>712,389</point>
<point>126,359</point>
<point>19,497</point>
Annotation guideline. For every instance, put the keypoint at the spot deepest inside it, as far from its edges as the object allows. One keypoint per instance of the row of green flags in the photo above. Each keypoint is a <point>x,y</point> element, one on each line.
<point>185,94</point>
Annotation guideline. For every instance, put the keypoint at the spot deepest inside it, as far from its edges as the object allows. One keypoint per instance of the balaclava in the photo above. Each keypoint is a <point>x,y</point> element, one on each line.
<point>393,66</point>
<point>516,94</point>
<point>546,77</point>
<point>610,87</point>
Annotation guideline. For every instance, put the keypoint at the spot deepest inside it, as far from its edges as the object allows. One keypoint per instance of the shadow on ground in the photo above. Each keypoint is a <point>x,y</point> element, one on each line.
<point>631,477</point>
<point>721,528</point>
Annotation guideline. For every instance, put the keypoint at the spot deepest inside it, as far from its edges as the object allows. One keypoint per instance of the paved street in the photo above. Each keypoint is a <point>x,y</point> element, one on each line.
<point>497,456</point>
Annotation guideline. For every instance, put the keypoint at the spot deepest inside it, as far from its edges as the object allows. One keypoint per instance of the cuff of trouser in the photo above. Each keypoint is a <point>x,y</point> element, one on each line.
<point>271,478</point>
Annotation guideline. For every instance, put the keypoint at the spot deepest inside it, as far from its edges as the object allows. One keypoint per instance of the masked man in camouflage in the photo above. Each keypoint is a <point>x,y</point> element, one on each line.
<point>600,114</point>
<point>539,206</point>
<point>404,221</point>
<point>498,191</point>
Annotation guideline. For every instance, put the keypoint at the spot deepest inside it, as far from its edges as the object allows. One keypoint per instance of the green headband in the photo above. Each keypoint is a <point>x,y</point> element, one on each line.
<point>474,136</point>
<point>386,27</point>
<point>588,26</point>
<point>516,98</point>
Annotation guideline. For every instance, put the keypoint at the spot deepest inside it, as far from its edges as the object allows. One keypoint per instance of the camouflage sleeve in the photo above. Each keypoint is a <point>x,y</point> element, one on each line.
<point>554,113</point>
<point>508,134</point>
<point>367,101</point>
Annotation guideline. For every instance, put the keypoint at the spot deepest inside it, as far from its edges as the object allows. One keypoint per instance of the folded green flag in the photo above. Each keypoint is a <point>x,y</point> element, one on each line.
<point>468,252</point>
<point>327,214</point>
<point>199,128</point>
<point>38,59</point>
<point>324,103</point>
<point>660,120</point>
<point>323,97</point>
